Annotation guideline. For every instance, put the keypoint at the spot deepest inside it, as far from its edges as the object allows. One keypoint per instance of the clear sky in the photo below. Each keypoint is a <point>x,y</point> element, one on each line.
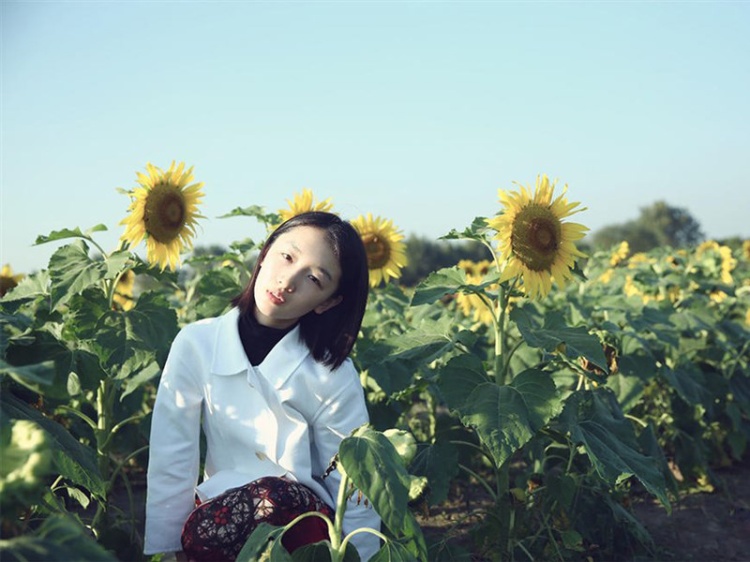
<point>415,111</point>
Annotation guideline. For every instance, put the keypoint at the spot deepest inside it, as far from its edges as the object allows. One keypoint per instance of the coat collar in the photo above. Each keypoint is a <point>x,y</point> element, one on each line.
<point>229,356</point>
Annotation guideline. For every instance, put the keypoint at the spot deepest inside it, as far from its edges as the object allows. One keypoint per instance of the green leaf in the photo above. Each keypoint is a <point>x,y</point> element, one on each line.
<point>128,342</point>
<point>439,463</point>
<point>555,331</point>
<point>253,211</point>
<point>316,552</point>
<point>134,382</point>
<point>30,287</point>
<point>72,460</point>
<point>478,230</point>
<point>393,362</point>
<point>72,271</point>
<point>459,377</point>
<point>66,233</point>
<point>217,288</point>
<point>446,281</point>
<point>595,421</point>
<point>59,539</point>
<point>629,390</point>
<point>393,551</point>
<point>690,383</point>
<point>41,347</point>
<point>449,550</point>
<point>449,281</point>
<point>264,544</point>
<point>321,552</point>
<point>505,417</point>
<point>653,320</point>
<point>35,377</point>
<point>373,464</point>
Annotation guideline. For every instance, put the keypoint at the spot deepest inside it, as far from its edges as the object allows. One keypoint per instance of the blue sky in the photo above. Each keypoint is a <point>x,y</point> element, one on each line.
<point>415,111</point>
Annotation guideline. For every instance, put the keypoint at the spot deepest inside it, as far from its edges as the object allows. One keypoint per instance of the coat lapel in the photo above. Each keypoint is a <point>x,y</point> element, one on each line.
<point>284,358</point>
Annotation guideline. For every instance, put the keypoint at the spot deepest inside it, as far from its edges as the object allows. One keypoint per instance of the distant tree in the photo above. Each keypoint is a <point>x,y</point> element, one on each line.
<point>426,256</point>
<point>658,225</point>
<point>212,250</point>
<point>676,227</point>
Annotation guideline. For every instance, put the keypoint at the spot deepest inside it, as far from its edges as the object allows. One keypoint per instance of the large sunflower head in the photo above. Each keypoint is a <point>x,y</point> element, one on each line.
<point>8,280</point>
<point>386,253</point>
<point>164,211</point>
<point>303,203</point>
<point>533,241</point>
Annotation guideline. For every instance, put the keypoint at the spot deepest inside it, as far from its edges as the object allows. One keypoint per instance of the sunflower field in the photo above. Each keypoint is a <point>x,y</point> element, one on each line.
<point>565,386</point>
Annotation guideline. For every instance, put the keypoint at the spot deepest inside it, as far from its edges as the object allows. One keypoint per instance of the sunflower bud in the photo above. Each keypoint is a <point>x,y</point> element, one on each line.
<point>404,442</point>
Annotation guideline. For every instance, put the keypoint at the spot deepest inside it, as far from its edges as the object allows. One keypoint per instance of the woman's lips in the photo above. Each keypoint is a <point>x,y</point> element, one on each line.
<point>275,298</point>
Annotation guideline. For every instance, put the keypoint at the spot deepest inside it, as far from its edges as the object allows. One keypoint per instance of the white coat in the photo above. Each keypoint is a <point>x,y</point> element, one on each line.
<point>285,416</point>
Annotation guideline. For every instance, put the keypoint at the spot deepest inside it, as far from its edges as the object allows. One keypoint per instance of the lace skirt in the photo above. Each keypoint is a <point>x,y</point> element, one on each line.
<point>217,530</point>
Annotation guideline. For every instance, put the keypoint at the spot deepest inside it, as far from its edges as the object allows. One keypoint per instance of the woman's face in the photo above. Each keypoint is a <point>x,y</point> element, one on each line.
<point>299,273</point>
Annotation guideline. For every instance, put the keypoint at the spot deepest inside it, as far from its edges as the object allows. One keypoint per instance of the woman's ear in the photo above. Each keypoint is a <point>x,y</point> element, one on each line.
<point>328,304</point>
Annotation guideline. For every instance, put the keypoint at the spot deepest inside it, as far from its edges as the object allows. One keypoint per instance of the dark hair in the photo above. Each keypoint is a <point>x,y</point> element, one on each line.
<point>330,336</point>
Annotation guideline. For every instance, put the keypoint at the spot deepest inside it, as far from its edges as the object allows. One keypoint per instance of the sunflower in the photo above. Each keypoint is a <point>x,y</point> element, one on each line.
<point>164,211</point>
<point>8,280</point>
<point>620,253</point>
<point>124,290</point>
<point>533,241</point>
<point>726,261</point>
<point>746,249</point>
<point>606,277</point>
<point>303,203</point>
<point>383,244</point>
<point>472,304</point>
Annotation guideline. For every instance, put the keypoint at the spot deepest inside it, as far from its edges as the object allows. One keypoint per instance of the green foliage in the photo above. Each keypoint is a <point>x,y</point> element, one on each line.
<point>369,463</point>
<point>560,409</point>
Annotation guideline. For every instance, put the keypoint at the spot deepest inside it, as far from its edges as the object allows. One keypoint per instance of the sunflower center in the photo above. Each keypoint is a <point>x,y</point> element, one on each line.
<point>378,251</point>
<point>165,212</point>
<point>535,237</point>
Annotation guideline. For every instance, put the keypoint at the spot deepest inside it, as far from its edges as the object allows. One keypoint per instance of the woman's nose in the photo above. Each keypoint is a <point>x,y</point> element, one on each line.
<point>286,284</point>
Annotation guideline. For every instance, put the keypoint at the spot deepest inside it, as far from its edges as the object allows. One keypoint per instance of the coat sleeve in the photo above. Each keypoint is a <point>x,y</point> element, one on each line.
<point>174,450</point>
<point>336,419</point>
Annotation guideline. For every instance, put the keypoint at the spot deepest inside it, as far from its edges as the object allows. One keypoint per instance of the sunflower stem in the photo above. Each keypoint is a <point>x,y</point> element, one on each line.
<point>338,524</point>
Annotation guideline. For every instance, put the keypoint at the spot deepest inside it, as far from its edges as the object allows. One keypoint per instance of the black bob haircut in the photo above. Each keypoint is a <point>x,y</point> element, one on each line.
<point>330,336</point>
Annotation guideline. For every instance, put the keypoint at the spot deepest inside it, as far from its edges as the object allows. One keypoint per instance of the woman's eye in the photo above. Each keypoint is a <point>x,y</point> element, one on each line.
<point>314,279</point>
<point>286,256</point>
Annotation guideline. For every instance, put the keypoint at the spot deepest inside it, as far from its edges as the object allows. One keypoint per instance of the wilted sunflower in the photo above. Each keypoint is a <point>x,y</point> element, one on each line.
<point>303,203</point>
<point>383,244</point>
<point>533,241</point>
<point>8,280</point>
<point>164,211</point>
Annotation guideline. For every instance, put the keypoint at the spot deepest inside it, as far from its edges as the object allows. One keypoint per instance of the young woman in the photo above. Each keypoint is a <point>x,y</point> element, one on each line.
<point>273,390</point>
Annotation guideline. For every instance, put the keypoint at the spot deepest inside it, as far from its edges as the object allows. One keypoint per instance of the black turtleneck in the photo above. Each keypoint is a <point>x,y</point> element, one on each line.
<point>258,340</point>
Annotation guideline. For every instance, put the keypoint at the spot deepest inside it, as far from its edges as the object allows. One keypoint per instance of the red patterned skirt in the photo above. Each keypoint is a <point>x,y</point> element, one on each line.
<point>217,530</point>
